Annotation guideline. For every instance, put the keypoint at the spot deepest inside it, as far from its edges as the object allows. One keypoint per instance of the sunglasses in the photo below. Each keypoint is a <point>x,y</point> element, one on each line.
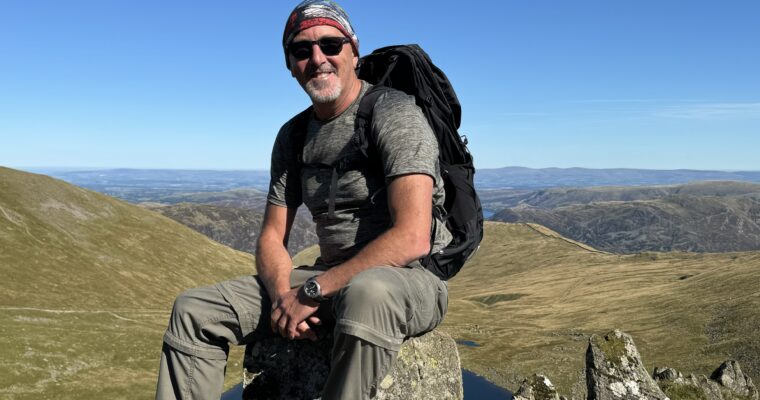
<point>330,46</point>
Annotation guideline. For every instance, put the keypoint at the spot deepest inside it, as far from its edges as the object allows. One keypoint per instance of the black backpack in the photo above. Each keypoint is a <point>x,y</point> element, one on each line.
<point>408,68</point>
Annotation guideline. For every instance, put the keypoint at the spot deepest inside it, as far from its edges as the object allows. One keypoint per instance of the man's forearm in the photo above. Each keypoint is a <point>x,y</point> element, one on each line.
<point>274,265</point>
<point>393,248</point>
<point>408,239</point>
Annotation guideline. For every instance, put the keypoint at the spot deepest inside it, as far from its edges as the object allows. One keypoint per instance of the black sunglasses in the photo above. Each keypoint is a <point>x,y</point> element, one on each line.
<point>330,46</point>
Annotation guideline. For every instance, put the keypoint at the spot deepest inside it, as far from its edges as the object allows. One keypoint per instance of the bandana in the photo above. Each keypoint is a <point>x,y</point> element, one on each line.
<point>317,12</point>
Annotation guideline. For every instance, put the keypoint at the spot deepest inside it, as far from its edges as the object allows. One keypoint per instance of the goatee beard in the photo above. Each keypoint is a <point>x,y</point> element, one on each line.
<point>321,92</point>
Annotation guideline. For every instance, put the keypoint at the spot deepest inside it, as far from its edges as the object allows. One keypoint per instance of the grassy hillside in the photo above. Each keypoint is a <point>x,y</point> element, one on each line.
<point>531,298</point>
<point>88,282</point>
<point>87,287</point>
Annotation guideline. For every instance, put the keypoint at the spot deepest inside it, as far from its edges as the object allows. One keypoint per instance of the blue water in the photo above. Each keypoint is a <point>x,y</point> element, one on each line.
<point>478,388</point>
<point>488,214</point>
<point>235,393</point>
<point>475,388</point>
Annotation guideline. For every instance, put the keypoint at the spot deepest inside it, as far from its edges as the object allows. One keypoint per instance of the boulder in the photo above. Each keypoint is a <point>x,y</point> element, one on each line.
<point>730,376</point>
<point>614,370</point>
<point>427,368</point>
<point>537,387</point>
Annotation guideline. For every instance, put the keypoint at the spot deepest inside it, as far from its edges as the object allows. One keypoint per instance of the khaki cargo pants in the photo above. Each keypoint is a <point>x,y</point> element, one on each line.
<point>373,314</point>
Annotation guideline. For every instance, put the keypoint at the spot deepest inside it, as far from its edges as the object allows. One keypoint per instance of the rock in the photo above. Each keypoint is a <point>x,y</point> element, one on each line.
<point>537,387</point>
<point>728,382</point>
<point>614,370</point>
<point>666,374</point>
<point>731,377</point>
<point>675,386</point>
<point>427,368</point>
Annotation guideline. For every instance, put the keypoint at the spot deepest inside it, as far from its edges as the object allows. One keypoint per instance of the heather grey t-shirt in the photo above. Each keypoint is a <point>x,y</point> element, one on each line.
<point>406,145</point>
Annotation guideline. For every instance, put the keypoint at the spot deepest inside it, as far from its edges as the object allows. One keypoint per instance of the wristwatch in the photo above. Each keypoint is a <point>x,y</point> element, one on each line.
<point>312,290</point>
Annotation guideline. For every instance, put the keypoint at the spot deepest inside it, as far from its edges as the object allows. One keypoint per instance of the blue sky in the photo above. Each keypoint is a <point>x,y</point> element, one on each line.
<point>202,84</point>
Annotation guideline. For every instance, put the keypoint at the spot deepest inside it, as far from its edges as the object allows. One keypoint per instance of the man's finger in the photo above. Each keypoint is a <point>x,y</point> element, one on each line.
<point>291,329</point>
<point>314,320</point>
<point>305,332</point>
<point>274,319</point>
<point>282,326</point>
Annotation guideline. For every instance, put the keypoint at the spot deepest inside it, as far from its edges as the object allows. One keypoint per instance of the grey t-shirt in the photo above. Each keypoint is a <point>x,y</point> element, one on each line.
<point>405,144</point>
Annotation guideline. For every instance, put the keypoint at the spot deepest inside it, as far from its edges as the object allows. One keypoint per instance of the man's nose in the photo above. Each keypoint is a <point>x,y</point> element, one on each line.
<point>317,57</point>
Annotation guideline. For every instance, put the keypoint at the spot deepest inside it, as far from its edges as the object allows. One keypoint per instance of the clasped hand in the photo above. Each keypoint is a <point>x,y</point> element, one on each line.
<point>292,313</point>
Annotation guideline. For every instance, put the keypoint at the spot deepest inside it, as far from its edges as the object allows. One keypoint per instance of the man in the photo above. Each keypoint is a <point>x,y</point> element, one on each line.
<point>373,224</point>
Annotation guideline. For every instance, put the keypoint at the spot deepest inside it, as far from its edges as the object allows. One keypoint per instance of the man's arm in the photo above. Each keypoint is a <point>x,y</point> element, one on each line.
<point>273,262</point>
<point>410,202</point>
<point>274,266</point>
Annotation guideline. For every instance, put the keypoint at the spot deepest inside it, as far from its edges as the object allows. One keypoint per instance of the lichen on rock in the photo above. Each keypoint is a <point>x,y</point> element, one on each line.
<point>614,370</point>
<point>537,387</point>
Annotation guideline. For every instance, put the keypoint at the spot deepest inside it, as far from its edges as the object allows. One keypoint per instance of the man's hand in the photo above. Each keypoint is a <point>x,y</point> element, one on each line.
<point>290,313</point>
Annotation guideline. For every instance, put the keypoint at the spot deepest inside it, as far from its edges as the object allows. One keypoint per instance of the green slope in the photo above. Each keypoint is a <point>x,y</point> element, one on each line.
<point>88,282</point>
<point>87,286</point>
<point>531,298</point>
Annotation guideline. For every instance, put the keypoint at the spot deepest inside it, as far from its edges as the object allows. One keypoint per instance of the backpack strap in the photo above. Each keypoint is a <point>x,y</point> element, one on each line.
<point>363,137</point>
<point>298,140</point>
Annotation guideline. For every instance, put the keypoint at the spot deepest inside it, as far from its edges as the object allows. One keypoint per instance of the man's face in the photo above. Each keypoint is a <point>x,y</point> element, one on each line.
<point>324,78</point>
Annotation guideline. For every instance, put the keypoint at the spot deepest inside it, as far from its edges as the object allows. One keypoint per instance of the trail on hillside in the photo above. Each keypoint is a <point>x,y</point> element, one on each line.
<point>109,312</point>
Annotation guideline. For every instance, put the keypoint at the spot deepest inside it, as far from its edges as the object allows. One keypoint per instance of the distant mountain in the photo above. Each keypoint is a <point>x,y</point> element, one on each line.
<point>530,178</point>
<point>705,217</point>
<point>139,185</point>
<point>251,199</point>
<point>87,285</point>
<point>236,227</point>
<point>497,199</point>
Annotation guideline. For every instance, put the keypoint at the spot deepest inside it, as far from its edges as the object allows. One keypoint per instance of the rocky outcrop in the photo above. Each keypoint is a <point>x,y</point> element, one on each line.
<point>427,368</point>
<point>614,370</point>
<point>731,377</point>
<point>728,382</point>
<point>537,387</point>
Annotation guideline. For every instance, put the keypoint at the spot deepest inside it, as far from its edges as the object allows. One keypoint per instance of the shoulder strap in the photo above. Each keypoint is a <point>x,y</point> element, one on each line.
<point>363,134</point>
<point>298,140</point>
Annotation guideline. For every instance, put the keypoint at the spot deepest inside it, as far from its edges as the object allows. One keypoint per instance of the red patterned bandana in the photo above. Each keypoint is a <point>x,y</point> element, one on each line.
<point>318,12</point>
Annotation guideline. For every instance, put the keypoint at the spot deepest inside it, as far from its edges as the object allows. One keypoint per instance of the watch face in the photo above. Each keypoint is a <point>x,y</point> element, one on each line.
<point>311,289</point>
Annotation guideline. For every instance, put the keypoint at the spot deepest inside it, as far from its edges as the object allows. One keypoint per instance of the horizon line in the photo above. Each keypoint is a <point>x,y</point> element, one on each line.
<point>88,169</point>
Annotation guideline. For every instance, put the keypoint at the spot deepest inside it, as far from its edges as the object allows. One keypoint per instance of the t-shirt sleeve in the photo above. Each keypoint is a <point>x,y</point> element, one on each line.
<point>285,180</point>
<point>404,139</point>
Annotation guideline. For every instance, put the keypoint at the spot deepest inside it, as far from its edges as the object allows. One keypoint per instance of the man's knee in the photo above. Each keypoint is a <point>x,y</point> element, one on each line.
<point>193,308</point>
<point>374,287</point>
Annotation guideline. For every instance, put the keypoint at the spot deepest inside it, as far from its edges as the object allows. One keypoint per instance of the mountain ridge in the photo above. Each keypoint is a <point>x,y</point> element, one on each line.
<point>529,298</point>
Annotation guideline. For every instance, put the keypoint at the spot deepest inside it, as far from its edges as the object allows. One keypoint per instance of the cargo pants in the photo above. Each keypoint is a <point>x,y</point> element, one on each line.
<point>373,314</point>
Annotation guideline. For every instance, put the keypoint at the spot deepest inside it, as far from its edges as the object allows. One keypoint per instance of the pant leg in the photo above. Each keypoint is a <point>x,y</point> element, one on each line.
<point>359,367</point>
<point>204,322</point>
<point>375,312</point>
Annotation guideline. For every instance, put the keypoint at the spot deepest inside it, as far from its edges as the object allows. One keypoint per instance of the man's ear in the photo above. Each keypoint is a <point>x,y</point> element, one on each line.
<point>356,61</point>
